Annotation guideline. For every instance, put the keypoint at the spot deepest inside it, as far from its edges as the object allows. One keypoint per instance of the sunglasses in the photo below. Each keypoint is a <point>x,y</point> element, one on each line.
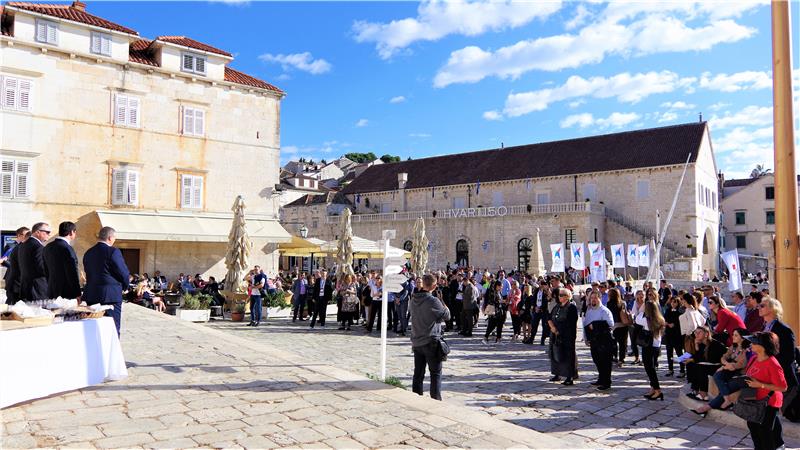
<point>46,231</point>
<point>762,306</point>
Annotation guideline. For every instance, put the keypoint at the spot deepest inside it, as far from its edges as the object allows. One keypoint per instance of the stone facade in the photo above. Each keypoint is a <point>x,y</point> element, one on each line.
<point>72,143</point>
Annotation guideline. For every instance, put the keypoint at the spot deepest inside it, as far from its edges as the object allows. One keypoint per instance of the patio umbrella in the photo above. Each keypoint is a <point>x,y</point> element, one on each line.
<point>239,246</point>
<point>344,249</point>
<point>419,247</point>
<point>538,258</point>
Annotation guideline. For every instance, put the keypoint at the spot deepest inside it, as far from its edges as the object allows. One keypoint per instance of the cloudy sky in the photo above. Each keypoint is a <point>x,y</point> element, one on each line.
<point>424,79</point>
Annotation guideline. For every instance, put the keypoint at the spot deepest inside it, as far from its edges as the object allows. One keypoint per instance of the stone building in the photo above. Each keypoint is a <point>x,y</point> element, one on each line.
<point>484,207</point>
<point>153,137</point>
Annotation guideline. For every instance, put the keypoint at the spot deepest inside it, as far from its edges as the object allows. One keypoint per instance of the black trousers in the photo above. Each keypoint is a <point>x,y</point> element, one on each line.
<point>495,322</point>
<point>649,356</point>
<point>320,310</point>
<point>516,324</point>
<point>466,322</point>
<point>602,360</point>
<point>116,314</point>
<point>767,435</point>
<point>634,332</point>
<point>674,343</point>
<point>456,309</point>
<point>697,375</point>
<point>375,311</point>
<point>427,355</point>
<point>621,342</point>
<point>542,317</point>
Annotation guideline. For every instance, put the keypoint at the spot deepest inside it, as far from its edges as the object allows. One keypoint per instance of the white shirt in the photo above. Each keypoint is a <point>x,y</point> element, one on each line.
<point>322,287</point>
<point>64,239</point>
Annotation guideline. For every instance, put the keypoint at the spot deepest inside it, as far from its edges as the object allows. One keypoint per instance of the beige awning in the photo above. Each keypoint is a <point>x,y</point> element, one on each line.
<point>300,247</point>
<point>363,248</point>
<point>167,226</point>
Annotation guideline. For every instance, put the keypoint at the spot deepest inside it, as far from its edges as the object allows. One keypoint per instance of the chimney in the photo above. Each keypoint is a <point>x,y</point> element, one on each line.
<point>79,5</point>
<point>402,179</point>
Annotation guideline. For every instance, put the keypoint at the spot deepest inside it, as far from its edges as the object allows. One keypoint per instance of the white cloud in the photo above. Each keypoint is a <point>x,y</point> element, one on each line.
<point>615,120</point>
<point>283,77</point>
<point>362,123</point>
<point>668,116</point>
<point>577,103</point>
<point>719,105</point>
<point>677,105</point>
<point>749,116</point>
<point>419,135</point>
<point>736,81</point>
<point>492,115</point>
<point>300,61</point>
<point>398,99</point>
<point>437,19</point>
<point>620,30</point>
<point>581,15</point>
<point>624,87</point>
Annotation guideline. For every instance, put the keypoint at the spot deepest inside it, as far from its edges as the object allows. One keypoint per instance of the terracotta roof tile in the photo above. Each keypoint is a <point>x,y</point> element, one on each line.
<point>738,182</point>
<point>140,52</point>
<point>651,147</point>
<point>311,199</point>
<point>234,76</point>
<point>191,43</point>
<point>74,12</point>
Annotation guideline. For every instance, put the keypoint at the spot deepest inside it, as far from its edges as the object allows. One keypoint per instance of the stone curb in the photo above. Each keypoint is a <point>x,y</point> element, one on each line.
<point>526,438</point>
<point>790,429</point>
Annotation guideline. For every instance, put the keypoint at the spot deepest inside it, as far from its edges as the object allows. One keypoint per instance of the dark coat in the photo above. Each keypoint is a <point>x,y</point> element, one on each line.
<point>328,294</point>
<point>563,359</point>
<point>61,265</point>
<point>33,278</point>
<point>106,274</point>
<point>12,276</point>
<point>785,354</point>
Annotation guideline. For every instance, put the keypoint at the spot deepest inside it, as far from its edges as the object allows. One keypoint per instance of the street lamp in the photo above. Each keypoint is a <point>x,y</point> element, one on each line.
<point>303,231</point>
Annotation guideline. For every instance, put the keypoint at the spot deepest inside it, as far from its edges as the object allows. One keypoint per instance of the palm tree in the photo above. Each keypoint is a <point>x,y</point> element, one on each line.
<point>759,171</point>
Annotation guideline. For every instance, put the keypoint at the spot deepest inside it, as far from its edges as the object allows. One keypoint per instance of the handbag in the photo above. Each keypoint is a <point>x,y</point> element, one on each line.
<point>750,409</point>
<point>349,303</point>
<point>489,311</point>
<point>644,338</point>
<point>625,318</point>
<point>443,348</point>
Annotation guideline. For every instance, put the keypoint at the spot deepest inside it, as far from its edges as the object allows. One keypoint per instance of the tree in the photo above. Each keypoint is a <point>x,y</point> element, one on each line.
<point>390,158</point>
<point>302,160</point>
<point>361,157</point>
<point>759,171</point>
<point>323,162</point>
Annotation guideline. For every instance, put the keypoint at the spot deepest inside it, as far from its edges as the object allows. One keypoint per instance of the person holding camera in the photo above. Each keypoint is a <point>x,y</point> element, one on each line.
<point>428,313</point>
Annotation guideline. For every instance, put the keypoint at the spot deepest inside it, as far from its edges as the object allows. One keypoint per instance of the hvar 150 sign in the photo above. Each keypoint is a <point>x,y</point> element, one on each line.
<point>490,211</point>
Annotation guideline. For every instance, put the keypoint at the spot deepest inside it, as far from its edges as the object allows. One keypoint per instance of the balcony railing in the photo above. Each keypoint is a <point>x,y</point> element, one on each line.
<point>490,211</point>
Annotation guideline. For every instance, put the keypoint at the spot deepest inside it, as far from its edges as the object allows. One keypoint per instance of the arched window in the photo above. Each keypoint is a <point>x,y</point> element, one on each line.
<point>524,248</point>
<point>407,245</point>
<point>462,252</point>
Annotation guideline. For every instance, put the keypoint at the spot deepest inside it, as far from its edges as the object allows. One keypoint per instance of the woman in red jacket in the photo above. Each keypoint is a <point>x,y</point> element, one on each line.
<point>764,373</point>
<point>727,320</point>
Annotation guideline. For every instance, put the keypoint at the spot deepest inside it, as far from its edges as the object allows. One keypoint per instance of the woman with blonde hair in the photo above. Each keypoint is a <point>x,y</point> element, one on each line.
<point>771,310</point>
<point>348,289</point>
<point>144,293</point>
<point>652,325</point>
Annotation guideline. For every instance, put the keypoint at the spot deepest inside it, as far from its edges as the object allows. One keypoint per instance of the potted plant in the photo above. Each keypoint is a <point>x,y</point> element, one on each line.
<point>237,313</point>
<point>196,308</point>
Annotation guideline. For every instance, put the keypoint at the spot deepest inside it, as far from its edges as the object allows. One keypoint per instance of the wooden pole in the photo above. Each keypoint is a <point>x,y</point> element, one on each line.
<point>787,254</point>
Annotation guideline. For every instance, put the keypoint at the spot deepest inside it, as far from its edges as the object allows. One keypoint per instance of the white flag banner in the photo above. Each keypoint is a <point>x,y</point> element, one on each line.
<point>644,255</point>
<point>633,255</point>
<point>597,262</point>
<point>578,259</point>
<point>731,259</point>
<point>618,256</point>
<point>558,257</point>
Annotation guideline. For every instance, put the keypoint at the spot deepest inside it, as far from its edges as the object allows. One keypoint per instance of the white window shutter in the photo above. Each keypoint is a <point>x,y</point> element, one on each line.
<point>121,109</point>
<point>188,120</point>
<point>186,191</point>
<point>133,112</point>
<point>118,182</point>
<point>105,44</point>
<point>52,33</point>
<point>7,178</point>
<point>199,122</point>
<point>24,103</point>
<point>133,187</point>
<point>188,62</point>
<point>200,65</point>
<point>23,179</point>
<point>96,45</point>
<point>197,192</point>
<point>41,31</point>
<point>10,88</point>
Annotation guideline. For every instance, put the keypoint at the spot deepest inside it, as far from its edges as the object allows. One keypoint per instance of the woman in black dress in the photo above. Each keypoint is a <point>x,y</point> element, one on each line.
<point>563,328</point>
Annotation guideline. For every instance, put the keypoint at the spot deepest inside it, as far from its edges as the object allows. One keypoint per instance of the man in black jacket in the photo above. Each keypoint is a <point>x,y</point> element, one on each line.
<point>771,311</point>
<point>33,278</point>
<point>323,292</point>
<point>61,264</point>
<point>10,261</point>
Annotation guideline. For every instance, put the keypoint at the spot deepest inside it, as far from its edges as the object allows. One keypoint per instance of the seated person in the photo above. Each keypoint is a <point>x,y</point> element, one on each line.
<point>144,296</point>
<point>198,282</point>
<point>212,288</point>
<point>727,377</point>
<point>706,359</point>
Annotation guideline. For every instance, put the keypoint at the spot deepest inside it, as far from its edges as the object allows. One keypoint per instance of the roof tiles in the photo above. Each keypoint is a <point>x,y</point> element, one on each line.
<point>191,43</point>
<point>74,12</point>
<point>234,76</point>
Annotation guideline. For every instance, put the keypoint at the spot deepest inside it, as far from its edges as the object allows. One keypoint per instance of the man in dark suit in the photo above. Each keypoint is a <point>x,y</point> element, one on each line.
<point>33,278</point>
<point>106,274</point>
<point>10,261</point>
<point>61,264</point>
<point>323,292</point>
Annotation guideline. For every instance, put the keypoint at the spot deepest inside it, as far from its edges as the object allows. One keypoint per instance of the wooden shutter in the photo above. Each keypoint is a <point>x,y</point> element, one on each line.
<point>118,182</point>
<point>24,102</point>
<point>133,112</point>
<point>188,120</point>
<point>197,192</point>
<point>199,122</point>
<point>23,179</point>
<point>188,62</point>
<point>186,191</point>
<point>121,109</point>
<point>6,178</point>
<point>199,65</point>
<point>10,88</point>
<point>133,187</point>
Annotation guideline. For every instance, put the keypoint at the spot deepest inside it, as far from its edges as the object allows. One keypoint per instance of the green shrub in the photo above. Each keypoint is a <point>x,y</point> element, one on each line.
<point>391,381</point>
<point>276,300</point>
<point>197,301</point>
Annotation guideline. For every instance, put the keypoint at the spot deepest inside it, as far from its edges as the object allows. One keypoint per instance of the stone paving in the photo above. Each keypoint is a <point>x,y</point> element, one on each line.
<point>193,386</point>
<point>509,381</point>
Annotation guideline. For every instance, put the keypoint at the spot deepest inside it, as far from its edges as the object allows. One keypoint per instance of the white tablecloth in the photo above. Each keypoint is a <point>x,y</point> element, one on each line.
<point>41,361</point>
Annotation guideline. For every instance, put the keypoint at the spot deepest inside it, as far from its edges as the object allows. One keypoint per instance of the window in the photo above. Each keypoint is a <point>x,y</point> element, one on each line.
<point>497,198</point>
<point>193,63</point>
<point>542,198</point>
<point>642,189</point>
<point>740,216</point>
<point>714,201</point>
<point>569,236</point>
<point>708,196</point>
<point>769,192</point>
<point>524,248</point>
<point>191,191</point>
<point>15,178</point>
<point>459,202</point>
<point>46,32</point>
<point>126,110</point>
<point>101,43</point>
<point>194,122</point>
<point>741,241</point>
<point>590,192</point>
<point>770,217</point>
<point>16,93</point>
<point>386,207</point>
<point>124,187</point>
<point>700,193</point>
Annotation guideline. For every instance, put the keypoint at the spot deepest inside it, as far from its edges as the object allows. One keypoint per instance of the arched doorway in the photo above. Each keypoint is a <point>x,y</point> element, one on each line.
<point>524,247</point>
<point>709,255</point>
<point>462,252</point>
<point>407,246</point>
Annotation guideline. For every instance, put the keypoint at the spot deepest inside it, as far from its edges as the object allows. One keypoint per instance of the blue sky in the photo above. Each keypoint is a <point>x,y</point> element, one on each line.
<point>424,79</point>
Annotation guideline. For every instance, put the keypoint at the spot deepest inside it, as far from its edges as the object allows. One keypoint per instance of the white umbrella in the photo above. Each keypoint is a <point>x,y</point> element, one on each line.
<point>538,262</point>
<point>419,248</point>
<point>344,248</point>
<point>239,246</point>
